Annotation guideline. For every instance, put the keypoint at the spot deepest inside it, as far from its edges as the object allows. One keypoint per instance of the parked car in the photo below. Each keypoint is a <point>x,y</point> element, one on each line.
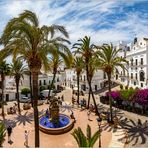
<point>25,100</point>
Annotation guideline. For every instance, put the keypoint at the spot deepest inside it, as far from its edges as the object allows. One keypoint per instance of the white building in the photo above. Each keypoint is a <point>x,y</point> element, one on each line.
<point>137,69</point>
<point>71,80</point>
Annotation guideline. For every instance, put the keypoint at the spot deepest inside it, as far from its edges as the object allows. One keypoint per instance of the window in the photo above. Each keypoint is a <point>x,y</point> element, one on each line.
<point>141,61</point>
<point>134,83</point>
<point>131,62</point>
<point>141,84</point>
<point>40,82</point>
<point>49,81</point>
<point>136,76</point>
<point>44,82</point>
<point>141,43</point>
<point>141,74</point>
<point>57,79</point>
<point>131,75</point>
<point>95,87</point>
<point>136,61</point>
<point>84,78</point>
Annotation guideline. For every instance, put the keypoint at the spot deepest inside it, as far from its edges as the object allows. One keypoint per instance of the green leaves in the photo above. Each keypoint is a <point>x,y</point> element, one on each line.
<point>2,133</point>
<point>85,141</point>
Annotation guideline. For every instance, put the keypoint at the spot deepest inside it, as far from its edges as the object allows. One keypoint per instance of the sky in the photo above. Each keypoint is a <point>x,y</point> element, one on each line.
<point>103,20</point>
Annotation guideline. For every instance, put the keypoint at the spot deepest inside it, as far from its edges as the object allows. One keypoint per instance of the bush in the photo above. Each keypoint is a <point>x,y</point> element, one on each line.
<point>121,86</point>
<point>42,88</point>
<point>127,94</point>
<point>141,97</point>
<point>114,94</point>
<point>126,87</point>
<point>2,133</point>
<point>25,91</point>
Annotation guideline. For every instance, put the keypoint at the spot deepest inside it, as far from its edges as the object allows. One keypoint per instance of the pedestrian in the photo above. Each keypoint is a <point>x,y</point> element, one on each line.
<point>88,114</point>
<point>26,138</point>
<point>9,131</point>
<point>62,98</point>
<point>72,116</point>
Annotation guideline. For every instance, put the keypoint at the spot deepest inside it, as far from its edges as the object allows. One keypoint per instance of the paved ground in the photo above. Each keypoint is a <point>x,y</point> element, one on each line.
<point>25,122</point>
<point>110,138</point>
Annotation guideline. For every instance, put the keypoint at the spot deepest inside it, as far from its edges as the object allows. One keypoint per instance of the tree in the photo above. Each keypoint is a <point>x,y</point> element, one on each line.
<point>25,91</point>
<point>86,50</point>
<point>24,37</point>
<point>78,64</point>
<point>59,56</point>
<point>4,71</point>
<point>2,133</point>
<point>110,62</point>
<point>17,71</point>
<point>85,141</point>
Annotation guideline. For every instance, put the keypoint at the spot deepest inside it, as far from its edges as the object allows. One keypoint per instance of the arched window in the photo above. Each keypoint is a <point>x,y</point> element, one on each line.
<point>141,76</point>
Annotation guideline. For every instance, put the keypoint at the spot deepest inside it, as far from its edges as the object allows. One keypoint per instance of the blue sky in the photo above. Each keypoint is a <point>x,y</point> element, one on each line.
<point>103,20</point>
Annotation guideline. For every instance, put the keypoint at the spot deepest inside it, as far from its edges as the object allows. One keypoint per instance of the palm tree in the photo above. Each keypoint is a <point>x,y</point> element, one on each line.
<point>56,59</point>
<point>110,62</point>
<point>78,64</point>
<point>2,133</point>
<point>85,141</point>
<point>18,71</point>
<point>86,50</point>
<point>24,37</point>
<point>4,70</point>
<point>93,65</point>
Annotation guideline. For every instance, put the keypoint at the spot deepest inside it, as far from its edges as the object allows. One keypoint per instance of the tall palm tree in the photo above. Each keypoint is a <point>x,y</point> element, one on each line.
<point>17,71</point>
<point>85,141</point>
<point>86,50</point>
<point>56,59</point>
<point>24,37</point>
<point>4,71</point>
<point>93,65</point>
<point>78,64</point>
<point>109,63</point>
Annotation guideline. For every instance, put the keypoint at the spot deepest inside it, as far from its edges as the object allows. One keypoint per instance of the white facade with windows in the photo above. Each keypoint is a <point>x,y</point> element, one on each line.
<point>71,80</point>
<point>136,54</point>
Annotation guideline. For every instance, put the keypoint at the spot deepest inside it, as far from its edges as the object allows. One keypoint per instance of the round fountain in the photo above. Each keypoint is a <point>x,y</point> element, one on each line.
<point>54,122</point>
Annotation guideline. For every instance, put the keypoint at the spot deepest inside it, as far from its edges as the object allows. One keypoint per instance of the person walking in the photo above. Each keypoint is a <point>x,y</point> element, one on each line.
<point>26,138</point>
<point>9,131</point>
<point>88,114</point>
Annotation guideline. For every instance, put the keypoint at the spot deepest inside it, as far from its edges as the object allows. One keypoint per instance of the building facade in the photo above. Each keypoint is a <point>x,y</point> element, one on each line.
<point>136,54</point>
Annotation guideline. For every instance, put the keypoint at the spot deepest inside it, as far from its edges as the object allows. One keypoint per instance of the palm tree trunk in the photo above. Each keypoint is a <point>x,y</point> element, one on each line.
<point>30,81</point>
<point>91,91</point>
<point>3,79</point>
<point>52,83</point>
<point>88,100</point>
<point>35,102</point>
<point>78,89</point>
<point>110,99</point>
<point>17,94</point>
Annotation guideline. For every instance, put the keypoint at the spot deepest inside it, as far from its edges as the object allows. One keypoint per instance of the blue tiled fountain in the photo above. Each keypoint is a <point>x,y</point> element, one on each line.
<point>53,122</point>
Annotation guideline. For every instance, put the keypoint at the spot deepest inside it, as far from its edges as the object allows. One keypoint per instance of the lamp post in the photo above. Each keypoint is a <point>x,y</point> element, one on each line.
<point>99,120</point>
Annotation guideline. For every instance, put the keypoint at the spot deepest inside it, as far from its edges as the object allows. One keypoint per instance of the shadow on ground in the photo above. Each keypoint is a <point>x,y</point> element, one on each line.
<point>137,131</point>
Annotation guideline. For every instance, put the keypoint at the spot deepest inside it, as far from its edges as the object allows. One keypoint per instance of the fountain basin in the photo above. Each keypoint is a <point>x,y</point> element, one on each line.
<point>64,125</point>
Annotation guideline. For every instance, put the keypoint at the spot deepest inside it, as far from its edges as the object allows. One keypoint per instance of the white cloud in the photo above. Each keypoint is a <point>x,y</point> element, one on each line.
<point>95,13</point>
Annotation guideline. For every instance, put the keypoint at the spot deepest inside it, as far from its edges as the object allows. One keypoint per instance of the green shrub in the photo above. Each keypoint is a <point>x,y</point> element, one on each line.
<point>25,91</point>
<point>126,87</point>
<point>127,94</point>
<point>2,133</point>
<point>121,86</point>
<point>42,88</point>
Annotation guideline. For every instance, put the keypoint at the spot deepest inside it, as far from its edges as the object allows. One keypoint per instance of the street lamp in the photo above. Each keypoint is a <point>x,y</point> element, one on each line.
<point>99,120</point>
